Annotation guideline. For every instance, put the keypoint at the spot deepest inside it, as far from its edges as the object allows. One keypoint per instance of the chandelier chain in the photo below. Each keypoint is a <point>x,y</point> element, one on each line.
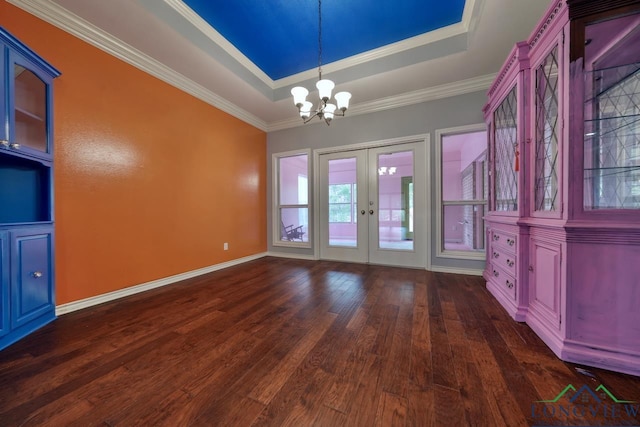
<point>320,39</point>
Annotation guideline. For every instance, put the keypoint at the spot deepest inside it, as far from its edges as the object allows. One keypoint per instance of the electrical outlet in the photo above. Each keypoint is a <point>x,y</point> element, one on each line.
<point>226,246</point>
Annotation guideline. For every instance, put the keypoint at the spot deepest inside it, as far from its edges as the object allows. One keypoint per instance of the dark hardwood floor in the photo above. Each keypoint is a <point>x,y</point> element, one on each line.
<point>287,342</point>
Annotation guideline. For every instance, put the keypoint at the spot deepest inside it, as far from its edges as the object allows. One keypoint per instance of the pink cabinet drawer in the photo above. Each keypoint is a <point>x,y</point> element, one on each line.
<point>503,258</point>
<point>507,241</point>
<point>505,281</point>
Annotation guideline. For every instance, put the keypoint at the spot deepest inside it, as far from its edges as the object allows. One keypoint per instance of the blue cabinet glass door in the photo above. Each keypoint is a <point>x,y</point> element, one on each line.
<point>29,107</point>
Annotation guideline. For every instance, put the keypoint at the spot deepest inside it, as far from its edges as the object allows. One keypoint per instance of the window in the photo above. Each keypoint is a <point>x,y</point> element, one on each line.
<point>461,156</point>
<point>291,199</point>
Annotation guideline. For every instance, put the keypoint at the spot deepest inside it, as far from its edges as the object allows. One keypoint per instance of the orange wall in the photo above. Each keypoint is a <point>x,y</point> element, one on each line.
<point>149,181</point>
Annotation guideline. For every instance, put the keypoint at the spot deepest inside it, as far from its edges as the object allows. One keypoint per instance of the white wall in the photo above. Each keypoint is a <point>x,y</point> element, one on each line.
<point>406,121</point>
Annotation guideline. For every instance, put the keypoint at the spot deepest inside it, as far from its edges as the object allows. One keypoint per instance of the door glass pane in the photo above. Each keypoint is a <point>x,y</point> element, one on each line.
<point>395,200</point>
<point>612,115</point>
<point>505,151</point>
<point>546,178</point>
<point>30,109</point>
<point>343,204</point>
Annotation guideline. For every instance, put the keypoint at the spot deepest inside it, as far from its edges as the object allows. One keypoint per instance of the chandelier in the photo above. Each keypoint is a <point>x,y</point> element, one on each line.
<point>325,110</point>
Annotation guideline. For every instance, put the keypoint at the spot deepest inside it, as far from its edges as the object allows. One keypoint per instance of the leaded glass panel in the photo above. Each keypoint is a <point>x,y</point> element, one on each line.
<point>505,147</point>
<point>546,155</point>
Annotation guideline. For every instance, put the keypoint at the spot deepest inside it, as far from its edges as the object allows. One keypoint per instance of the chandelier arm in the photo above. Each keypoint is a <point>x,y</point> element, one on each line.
<point>311,117</point>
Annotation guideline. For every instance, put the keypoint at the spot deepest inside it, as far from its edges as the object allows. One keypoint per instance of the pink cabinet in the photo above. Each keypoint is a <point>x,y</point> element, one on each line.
<point>563,222</point>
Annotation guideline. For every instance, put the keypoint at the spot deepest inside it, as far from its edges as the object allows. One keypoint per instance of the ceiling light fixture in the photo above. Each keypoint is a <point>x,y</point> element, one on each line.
<point>383,170</point>
<point>325,110</point>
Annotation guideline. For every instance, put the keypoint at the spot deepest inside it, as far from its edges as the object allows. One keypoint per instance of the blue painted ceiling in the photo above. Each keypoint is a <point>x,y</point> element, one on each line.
<point>281,36</point>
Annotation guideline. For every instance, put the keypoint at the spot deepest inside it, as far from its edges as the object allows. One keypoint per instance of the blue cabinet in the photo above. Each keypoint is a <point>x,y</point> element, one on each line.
<point>27,298</point>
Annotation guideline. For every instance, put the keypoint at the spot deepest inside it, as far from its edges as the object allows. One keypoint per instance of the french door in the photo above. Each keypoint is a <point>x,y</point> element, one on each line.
<point>372,205</point>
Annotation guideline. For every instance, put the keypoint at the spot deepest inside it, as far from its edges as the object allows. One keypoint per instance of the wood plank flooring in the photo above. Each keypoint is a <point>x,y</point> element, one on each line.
<point>280,342</point>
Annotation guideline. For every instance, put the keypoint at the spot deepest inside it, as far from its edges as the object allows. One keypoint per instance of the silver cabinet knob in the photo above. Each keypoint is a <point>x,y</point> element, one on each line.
<point>37,274</point>
<point>371,212</point>
<point>14,145</point>
<point>4,143</point>
<point>363,212</point>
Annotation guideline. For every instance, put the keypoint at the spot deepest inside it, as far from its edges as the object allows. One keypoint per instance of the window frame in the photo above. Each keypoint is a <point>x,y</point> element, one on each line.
<point>441,252</point>
<point>277,207</point>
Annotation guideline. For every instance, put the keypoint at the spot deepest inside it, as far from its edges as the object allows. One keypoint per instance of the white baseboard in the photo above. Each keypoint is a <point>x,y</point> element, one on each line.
<point>436,268</point>
<point>292,256</point>
<point>456,270</point>
<point>121,293</point>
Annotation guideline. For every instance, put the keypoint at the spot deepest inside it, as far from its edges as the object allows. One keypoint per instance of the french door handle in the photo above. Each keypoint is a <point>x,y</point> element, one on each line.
<point>371,212</point>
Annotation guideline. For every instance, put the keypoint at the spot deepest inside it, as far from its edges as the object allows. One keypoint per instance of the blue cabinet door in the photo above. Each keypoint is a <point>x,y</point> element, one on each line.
<point>5,326</point>
<point>31,275</point>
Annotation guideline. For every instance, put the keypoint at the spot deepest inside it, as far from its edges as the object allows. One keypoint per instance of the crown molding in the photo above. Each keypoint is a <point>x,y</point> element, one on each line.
<point>203,26</point>
<point>374,54</point>
<point>410,98</point>
<point>61,18</point>
<point>471,13</point>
